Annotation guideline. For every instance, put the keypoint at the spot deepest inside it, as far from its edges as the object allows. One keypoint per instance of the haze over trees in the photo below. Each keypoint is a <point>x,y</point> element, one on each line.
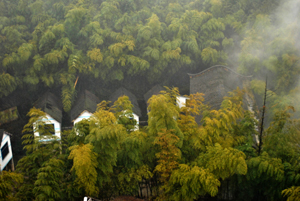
<point>68,44</point>
<point>65,45</point>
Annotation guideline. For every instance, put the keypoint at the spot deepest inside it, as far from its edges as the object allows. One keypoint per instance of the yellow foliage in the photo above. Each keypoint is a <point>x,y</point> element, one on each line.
<point>188,183</point>
<point>84,165</point>
<point>95,55</point>
<point>169,154</point>
<point>292,193</point>
<point>223,162</point>
<point>117,48</point>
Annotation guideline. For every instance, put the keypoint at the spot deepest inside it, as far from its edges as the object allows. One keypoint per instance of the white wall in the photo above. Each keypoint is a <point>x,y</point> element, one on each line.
<point>84,115</point>
<point>181,101</point>
<point>3,163</point>
<point>137,118</point>
<point>50,120</point>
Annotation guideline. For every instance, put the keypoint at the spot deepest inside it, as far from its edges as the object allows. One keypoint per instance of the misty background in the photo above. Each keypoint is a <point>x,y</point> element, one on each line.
<point>67,46</point>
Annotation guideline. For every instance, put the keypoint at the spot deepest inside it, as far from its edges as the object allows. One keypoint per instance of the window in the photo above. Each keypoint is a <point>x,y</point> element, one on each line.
<point>4,151</point>
<point>48,128</point>
<point>49,106</point>
<point>187,102</point>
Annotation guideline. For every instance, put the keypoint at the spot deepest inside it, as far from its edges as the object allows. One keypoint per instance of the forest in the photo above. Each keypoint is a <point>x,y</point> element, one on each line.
<point>66,46</point>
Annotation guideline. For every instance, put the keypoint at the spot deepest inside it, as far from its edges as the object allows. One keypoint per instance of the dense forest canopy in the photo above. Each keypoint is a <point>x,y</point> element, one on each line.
<point>70,45</point>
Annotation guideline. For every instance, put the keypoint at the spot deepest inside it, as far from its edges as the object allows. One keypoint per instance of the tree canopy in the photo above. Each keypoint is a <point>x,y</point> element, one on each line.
<point>66,44</point>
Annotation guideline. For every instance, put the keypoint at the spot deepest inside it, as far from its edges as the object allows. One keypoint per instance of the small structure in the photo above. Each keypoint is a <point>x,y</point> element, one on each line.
<point>52,106</point>
<point>8,115</point>
<point>84,107</point>
<point>9,108</point>
<point>181,100</point>
<point>124,92</point>
<point>153,91</point>
<point>6,150</point>
<point>215,83</point>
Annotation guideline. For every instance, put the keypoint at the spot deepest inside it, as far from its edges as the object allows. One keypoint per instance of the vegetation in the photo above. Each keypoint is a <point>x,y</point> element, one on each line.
<point>181,159</point>
<point>64,45</point>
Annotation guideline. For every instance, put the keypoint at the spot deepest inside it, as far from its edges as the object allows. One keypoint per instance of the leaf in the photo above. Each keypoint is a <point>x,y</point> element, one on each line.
<point>84,165</point>
<point>95,55</point>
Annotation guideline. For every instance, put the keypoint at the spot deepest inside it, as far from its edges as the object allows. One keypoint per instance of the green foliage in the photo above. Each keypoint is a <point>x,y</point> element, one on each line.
<point>62,44</point>
<point>189,183</point>
<point>41,167</point>
<point>169,154</point>
<point>223,162</point>
<point>292,193</point>
<point>47,185</point>
<point>282,136</point>
<point>84,165</point>
<point>8,84</point>
<point>218,125</point>
<point>266,167</point>
<point>9,182</point>
<point>128,181</point>
<point>106,136</point>
<point>122,109</point>
<point>163,113</point>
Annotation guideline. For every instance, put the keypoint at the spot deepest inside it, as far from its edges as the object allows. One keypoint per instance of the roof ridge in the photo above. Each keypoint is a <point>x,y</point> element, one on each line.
<point>217,66</point>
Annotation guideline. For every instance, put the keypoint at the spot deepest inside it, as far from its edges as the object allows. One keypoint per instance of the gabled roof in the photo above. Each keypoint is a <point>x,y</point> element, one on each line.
<point>121,92</point>
<point>50,104</point>
<point>153,91</point>
<point>2,132</point>
<point>215,82</point>
<point>85,101</point>
<point>214,68</point>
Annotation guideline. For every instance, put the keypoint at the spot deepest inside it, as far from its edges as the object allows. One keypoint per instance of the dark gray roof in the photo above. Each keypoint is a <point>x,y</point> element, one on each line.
<point>121,92</point>
<point>2,132</point>
<point>215,82</point>
<point>153,91</point>
<point>12,100</point>
<point>85,101</point>
<point>51,105</point>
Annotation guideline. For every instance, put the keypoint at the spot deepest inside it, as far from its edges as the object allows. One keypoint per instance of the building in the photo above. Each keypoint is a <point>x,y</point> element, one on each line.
<point>52,106</point>
<point>181,100</point>
<point>215,83</point>
<point>6,150</point>
<point>153,91</point>
<point>124,92</point>
<point>84,107</point>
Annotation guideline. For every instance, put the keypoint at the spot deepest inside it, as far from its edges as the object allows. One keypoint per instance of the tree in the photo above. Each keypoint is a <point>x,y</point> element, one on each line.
<point>84,165</point>
<point>41,167</point>
<point>9,182</point>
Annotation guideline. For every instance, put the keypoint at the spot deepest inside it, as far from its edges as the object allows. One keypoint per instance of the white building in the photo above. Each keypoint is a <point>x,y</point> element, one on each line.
<point>136,109</point>
<point>52,106</point>
<point>6,154</point>
<point>84,107</point>
<point>181,101</point>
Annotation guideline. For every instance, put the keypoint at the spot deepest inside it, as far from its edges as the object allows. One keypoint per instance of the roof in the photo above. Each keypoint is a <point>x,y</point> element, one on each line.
<point>12,100</point>
<point>217,67</point>
<point>8,115</point>
<point>85,101</point>
<point>153,91</point>
<point>2,132</point>
<point>50,104</point>
<point>215,82</point>
<point>124,92</point>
